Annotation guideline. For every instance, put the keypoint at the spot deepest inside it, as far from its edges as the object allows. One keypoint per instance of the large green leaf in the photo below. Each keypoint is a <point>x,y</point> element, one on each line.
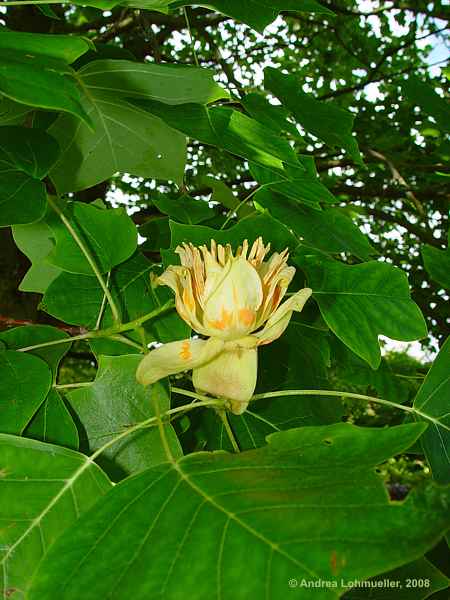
<point>325,120</point>
<point>273,116</point>
<point>12,113</point>
<point>329,230</point>
<point>34,70</point>
<point>36,242</point>
<point>219,525</point>
<point>433,399</point>
<point>157,233</point>
<point>258,13</point>
<point>109,234</point>
<point>421,93</point>
<point>114,401</point>
<point>298,360</point>
<point>361,302</point>
<point>226,128</point>
<point>26,156</point>
<point>32,335</point>
<point>157,5</point>
<point>60,47</point>
<point>53,423</point>
<point>74,299</point>
<point>437,264</point>
<point>78,299</point>
<point>184,209</point>
<point>415,581</point>
<point>298,185</point>
<point>44,489</point>
<point>354,371</point>
<point>25,381</point>
<point>224,195</point>
<point>249,228</point>
<point>124,137</point>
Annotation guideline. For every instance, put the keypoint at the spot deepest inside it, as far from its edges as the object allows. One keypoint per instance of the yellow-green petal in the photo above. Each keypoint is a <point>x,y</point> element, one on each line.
<point>176,357</point>
<point>278,322</point>
<point>231,375</point>
<point>230,310</point>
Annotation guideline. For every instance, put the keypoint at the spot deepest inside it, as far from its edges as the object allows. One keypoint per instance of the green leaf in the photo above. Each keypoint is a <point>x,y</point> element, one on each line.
<point>170,84</point>
<point>26,156</point>
<point>329,230</point>
<point>53,423</point>
<point>258,13</point>
<point>278,369</point>
<point>32,335</point>
<point>55,486</point>
<point>114,401</point>
<point>241,525</point>
<point>36,242</point>
<point>249,228</point>
<point>12,113</point>
<point>35,71</point>
<point>432,399</point>
<point>124,137</point>
<point>184,209</point>
<point>25,381</point>
<point>361,302</point>
<point>109,234</point>
<point>224,195</point>
<point>415,581</point>
<point>421,93</point>
<point>437,264</point>
<point>46,10</point>
<point>353,370</point>
<point>157,233</point>
<point>74,299</point>
<point>60,47</point>
<point>156,5</point>
<point>77,299</point>
<point>298,185</point>
<point>273,116</point>
<point>325,120</point>
<point>228,129</point>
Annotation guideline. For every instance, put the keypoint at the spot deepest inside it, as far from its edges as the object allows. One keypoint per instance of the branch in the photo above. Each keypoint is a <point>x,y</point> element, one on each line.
<point>396,176</point>
<point>416,230</point>
<point>10,322</point>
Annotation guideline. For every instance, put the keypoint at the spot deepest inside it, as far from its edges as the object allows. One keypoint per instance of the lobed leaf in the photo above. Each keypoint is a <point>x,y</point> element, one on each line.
<point>109,234</point>
<point>55,486</point>
<point>329,230</point>
<point>360,302</point>
<point>437,263</point>
<point>325,120</point>
<point>258,13</point>
<point>240,526</point>
<point>35,70</point>
<point>124,137</point>
<point>25,381</point>
<point>114,401</point>
<point>26,156</point>
<point>433,399</point>
<point>53,423</point>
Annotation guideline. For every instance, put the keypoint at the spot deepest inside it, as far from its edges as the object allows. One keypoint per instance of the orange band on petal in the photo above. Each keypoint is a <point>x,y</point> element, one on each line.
<point>246,316</point>
<point>224,321</point>
<point>185,352</point>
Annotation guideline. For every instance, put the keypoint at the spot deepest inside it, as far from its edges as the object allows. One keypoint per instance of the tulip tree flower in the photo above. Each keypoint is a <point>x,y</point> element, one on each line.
<point>234,301</point>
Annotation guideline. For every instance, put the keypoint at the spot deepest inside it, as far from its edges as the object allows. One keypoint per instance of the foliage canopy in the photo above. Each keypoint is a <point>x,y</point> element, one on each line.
<point>130,127</point>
